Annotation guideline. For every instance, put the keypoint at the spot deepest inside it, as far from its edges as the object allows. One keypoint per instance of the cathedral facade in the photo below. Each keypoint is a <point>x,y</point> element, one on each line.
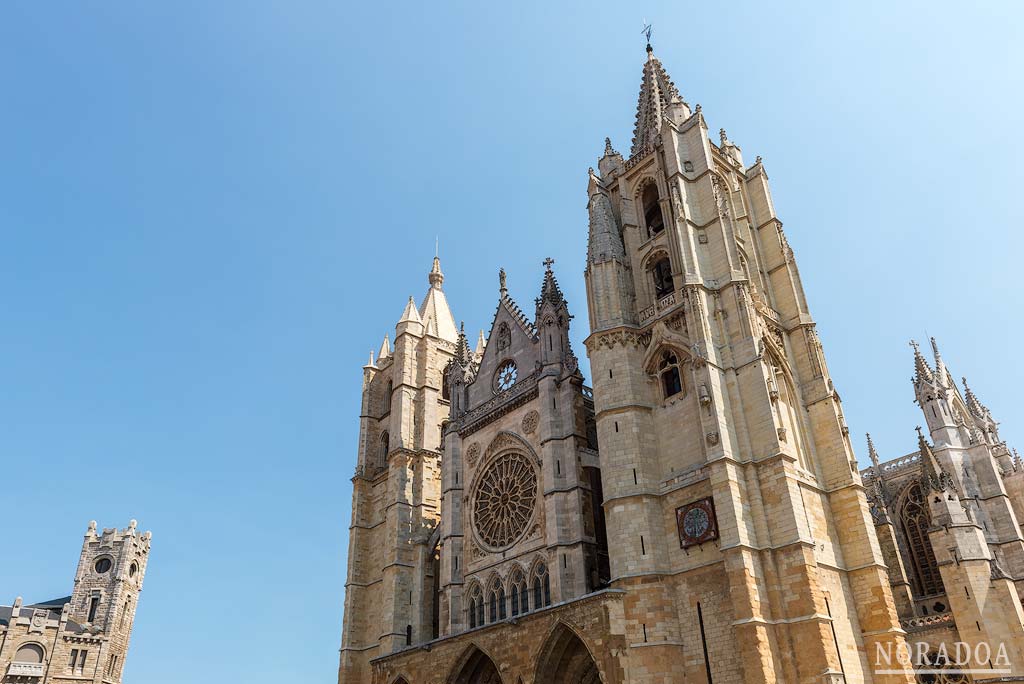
<point>695,516</point>
<point>83,637</point>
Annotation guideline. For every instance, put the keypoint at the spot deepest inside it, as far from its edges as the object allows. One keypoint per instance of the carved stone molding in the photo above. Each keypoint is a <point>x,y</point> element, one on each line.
<point>530,422</point>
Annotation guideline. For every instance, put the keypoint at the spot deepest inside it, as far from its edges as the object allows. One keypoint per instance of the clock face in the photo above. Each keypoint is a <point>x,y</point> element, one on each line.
<point>696,523</point>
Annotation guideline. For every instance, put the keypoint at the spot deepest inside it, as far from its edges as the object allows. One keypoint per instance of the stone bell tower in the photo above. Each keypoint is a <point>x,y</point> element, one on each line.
<point>737,522</point>
<point>396,489</point>
<point>108,582</point>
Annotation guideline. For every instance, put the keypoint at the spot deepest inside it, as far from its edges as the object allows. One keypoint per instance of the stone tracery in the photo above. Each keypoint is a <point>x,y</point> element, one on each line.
<point>505,498</point>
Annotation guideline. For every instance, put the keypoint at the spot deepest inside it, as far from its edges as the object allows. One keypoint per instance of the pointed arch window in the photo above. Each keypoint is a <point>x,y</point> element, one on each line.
<point>493,600</point>
<point>653,217</point>
<point>388,391</point>
<point>519,593</point>
<point>915,519</point>
<point>668,370</point>
<point>541,587</point>
<point>661,273</point>
<point>382,452</point>
<point>446,387</point>
<point>476,608</point>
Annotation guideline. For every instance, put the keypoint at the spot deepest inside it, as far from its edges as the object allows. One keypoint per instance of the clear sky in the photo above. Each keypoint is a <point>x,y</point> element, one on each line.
<point>212,211</point>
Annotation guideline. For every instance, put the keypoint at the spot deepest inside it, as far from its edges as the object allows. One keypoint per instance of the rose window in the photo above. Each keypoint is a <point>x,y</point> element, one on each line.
<point>505,377</point>
<point>505,500</point>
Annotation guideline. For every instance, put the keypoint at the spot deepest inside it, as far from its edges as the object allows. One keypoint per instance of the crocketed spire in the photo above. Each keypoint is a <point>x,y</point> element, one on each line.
<point>550,291</point>
<point>940,367</point>
<point>934,477</point>
<point>976,408</point>
<point>873,455</point>
<point>462,346</point>
<point>605,243</point>
<point>922,371</point>
<point>657,93</point>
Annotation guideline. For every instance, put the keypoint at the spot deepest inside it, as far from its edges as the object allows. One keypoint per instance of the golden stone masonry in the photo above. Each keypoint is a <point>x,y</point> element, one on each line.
<point>698,515</point>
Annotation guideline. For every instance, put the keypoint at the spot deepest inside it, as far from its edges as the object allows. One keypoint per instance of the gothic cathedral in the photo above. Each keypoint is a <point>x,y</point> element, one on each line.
<point>696,516</point>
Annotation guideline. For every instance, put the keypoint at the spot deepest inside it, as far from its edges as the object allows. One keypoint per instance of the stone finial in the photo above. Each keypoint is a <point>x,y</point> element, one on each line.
<point>873,455</point>
<point>435,277</point>
<point>92,528</point>
<point>132,524</point>
<point>758,160</point>
<point>609,151</point>
<point>371,363</point>
<point>698,109</point>
<point>502,284</point>
<point>722,137</point>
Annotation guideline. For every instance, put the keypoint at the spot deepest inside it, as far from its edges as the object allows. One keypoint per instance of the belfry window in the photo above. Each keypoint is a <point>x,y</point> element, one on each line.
<point>668,369</point>
<point>662,274</point>
<point>652,210</point>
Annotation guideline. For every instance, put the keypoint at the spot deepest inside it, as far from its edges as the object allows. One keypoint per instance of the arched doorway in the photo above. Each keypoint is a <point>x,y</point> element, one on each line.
<point>477,668</point>
<point>566,660</point>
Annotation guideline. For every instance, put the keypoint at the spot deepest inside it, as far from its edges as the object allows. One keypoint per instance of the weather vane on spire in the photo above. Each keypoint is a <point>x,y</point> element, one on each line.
<point>647,31</point>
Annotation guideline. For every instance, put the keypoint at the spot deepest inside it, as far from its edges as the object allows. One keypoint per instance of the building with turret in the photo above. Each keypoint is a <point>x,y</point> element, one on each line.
<point>83,637</point>
<point>948,521</point>
<point>696,516</point>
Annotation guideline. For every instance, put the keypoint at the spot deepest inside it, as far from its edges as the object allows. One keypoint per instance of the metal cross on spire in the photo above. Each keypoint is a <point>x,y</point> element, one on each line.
<point>547,263</point>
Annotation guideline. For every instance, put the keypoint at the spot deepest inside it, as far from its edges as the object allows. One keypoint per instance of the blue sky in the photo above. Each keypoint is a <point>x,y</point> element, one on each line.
<point>211,212</point>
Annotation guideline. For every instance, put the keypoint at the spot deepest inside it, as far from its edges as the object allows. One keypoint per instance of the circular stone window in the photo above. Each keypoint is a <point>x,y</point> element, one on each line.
<point>505,376</point>
<point>103,565</point>
<point>504,500</point>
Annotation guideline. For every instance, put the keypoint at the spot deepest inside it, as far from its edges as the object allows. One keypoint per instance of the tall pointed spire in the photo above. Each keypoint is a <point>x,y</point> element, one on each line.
<point>657,94</point>
<point>976,408</point>
<point>933,475</point>
<point>940,367</point>
<point>385,347</point>
<point>873,455</point>
<point>605,241</point>
<point>462,346</point>
<point>481,343</point>
<point>435,313</point>
<point>922,371</point>
<point>550,291</point>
